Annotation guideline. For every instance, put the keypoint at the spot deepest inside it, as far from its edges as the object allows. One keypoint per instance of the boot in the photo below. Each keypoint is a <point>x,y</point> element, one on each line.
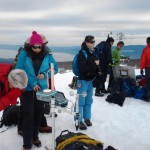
<point>82,126</point>
<point>46,129</point>
<point>99,94</point>
<point>37,142</point>
<point>26,149</point>
<point>88,122</point>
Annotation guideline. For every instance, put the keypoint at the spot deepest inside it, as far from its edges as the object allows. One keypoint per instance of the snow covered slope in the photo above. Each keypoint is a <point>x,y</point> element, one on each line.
<point>125,128</point>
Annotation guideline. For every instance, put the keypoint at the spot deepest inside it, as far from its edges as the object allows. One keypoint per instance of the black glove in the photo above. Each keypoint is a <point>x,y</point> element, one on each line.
<point>142,72</point>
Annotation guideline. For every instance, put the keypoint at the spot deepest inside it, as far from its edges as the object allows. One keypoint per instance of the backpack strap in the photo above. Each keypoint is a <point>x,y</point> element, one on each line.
<point>85,53</point>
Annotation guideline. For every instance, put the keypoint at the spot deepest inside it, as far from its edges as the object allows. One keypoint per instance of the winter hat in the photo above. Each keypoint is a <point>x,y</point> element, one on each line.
<point>89,38</point>
<point>148,40</point>
<point>44,39</point>
<point>18,78</point>
<point>110,39</point>
<point>36,38</point>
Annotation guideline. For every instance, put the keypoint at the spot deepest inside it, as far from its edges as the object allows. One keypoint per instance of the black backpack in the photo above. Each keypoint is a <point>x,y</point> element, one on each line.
<point>99,51</point>
<point>76,141</point>
<point>10,116</point>
<point>117,96</point>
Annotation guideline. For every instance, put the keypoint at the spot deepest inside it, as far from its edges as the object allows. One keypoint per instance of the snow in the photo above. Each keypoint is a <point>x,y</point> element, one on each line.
<point>125,128</point>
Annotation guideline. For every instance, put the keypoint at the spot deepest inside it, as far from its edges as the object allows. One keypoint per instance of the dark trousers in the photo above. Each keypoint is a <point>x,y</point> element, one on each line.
<point>20,120</point>
<point>32,115</point>
<point>111,77</point>
<point>101,83</point>
<point>147,77</point>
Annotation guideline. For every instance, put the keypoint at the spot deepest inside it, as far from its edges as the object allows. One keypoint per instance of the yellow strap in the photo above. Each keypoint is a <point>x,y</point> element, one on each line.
<point>81,138</point>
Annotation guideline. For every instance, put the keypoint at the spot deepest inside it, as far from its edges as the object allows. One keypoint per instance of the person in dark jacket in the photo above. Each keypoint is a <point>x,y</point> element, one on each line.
<point>87,68</point>
<point>105,63</point>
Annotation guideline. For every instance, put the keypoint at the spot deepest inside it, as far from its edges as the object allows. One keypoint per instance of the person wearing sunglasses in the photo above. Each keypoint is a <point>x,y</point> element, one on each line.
<point>44,127</point>
<point>88,69</point>
<point>35,60</point>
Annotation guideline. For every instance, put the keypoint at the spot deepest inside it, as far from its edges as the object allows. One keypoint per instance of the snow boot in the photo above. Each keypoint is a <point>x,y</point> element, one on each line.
<point>82,126</point>
<point>99,94</point>
<point>46,129</point>
<point>88,122</point>
<point>37,142</point>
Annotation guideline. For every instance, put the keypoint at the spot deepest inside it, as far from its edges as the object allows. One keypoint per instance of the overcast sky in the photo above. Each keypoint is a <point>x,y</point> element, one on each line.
<point>67,22</point>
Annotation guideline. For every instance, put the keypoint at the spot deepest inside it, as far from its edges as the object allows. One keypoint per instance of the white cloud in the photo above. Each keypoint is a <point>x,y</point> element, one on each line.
<point>66,22</point>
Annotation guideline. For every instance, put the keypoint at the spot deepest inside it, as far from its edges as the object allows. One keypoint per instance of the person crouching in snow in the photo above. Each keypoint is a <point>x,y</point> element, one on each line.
<point>12,88</point>
<point>87,68</point>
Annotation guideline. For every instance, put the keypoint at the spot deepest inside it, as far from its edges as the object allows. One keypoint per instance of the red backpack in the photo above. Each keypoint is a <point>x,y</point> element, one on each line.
<point>4,71</point>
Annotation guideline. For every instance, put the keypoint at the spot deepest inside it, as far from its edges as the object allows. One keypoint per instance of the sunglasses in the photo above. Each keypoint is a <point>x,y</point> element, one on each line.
<point>37,47</point>
<point>92,42</point>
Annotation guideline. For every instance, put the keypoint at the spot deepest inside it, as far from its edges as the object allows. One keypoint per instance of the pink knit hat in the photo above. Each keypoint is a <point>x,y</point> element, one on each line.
<point>36,39</point>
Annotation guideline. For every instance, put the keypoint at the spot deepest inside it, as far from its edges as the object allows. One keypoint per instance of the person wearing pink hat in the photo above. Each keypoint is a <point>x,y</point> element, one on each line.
<point>35,60</point>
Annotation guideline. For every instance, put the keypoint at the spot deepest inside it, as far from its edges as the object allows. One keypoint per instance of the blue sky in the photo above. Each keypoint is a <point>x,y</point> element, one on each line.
<point>67,22</point>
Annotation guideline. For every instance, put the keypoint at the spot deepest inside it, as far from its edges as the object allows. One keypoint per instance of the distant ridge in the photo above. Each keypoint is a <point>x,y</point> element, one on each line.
<point>134,51</point>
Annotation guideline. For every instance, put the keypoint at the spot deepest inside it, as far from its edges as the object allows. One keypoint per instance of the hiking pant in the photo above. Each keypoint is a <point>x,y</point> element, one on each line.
<point>20,120</point>
<point>32,114</point>
<point>104,69</point>
<point>147,77</point>
<point>111,77</point>
<point>85,103</point>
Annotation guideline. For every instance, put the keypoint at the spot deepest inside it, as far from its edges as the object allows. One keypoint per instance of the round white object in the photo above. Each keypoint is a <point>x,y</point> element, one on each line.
<point>46,90</point>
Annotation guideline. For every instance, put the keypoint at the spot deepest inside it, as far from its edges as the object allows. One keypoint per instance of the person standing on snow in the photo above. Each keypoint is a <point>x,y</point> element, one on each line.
<point>87,68</point>
<point>145,64</point>
<point>105,62</point>
<point>36,64</point>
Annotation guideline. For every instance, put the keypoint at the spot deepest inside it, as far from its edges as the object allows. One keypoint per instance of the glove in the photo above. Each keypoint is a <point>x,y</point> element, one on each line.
<point>142,72</point>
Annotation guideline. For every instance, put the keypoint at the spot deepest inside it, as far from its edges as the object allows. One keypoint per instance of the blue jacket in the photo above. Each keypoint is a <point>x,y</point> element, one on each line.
<point>25,63</point>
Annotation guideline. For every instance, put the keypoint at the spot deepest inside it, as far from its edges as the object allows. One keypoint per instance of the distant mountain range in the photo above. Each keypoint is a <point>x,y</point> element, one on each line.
<point>134,51</point>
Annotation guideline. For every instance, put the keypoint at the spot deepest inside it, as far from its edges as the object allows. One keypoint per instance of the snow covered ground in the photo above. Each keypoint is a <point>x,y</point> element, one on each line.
<point>125,128</point>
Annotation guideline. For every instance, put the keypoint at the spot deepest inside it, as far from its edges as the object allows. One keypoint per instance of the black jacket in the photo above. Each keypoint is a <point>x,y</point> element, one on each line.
<point>87,66</point>
<point>107,56</point>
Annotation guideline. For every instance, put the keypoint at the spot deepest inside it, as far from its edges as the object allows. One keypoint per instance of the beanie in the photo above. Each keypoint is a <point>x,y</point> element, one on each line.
<point>109,39</point>
<point>18,78</point>
<point>148,40</point>
<point>36,39</point>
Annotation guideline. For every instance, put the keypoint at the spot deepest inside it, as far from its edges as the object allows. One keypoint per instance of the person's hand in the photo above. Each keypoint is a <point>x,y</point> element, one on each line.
<point>97,62</point>
<point>36,88</point>
<point>40,76</point>
<point>142,72</point>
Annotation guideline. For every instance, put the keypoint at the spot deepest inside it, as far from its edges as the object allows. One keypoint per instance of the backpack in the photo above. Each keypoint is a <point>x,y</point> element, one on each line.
<point>117,96</point>
<point>140,93</point>
<point>74,83</point>
<point>77,141</point>
<point>75,68</point>
<point>99,53</point>
<point>117,85</point>
<point>129,84</point>
<point>10,116</point>
<point>16,57</point>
